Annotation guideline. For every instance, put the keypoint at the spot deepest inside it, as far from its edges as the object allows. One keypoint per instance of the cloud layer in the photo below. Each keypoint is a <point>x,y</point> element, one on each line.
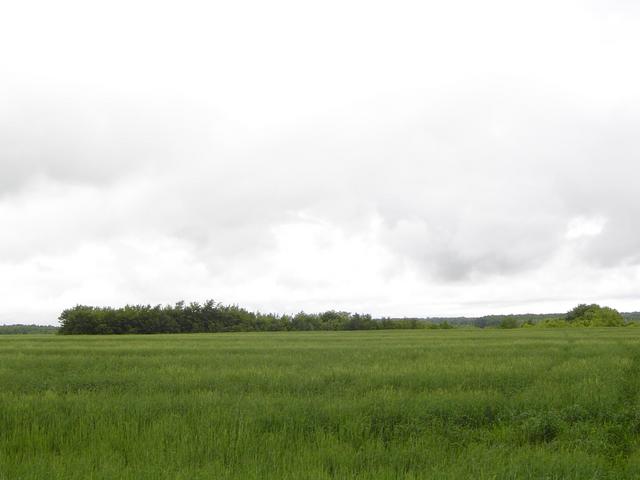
<point>418,160</point>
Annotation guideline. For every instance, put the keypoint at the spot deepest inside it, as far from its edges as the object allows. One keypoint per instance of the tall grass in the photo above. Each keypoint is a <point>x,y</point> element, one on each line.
<point>528,403</point>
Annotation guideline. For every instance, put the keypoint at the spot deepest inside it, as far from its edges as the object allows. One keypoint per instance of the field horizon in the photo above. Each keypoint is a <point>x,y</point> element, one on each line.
<point>213,317</point>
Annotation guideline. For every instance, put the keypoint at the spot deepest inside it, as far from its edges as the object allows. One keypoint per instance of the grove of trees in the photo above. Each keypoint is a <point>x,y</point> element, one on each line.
<point>212,316</point>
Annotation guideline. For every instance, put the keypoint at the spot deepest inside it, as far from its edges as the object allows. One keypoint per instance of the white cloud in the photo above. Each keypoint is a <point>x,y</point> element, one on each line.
<point>585,227</point>
<point>420,158</point>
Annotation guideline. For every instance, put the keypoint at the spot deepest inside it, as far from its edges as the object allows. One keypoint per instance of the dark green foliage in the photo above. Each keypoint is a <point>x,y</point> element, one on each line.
<point>216,317</point>
<point>213,317</point>
<point>509,322</point>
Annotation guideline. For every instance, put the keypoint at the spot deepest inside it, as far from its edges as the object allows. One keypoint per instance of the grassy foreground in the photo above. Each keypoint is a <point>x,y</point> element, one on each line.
<point>452,404</point>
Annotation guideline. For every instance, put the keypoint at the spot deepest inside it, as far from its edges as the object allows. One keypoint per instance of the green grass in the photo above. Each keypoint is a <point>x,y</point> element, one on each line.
<point>452,404</point>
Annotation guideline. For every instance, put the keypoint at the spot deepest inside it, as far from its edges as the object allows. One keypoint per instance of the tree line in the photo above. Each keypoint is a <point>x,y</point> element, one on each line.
<point>212,316</point>
<point>583,315</point>
<point>21,329</point>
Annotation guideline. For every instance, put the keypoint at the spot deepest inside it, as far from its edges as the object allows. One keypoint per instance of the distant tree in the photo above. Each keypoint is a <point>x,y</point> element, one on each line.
<point>508,322</point>
<point>594,316</point>
<point>631,316</point>
<point>21,329</point>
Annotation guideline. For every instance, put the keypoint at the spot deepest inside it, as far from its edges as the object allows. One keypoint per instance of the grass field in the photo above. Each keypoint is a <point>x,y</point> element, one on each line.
<point>441,404</point>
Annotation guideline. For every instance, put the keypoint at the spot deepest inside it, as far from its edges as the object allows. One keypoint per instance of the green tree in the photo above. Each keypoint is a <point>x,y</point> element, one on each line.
<point>508,322</point>
<point>594,316</point>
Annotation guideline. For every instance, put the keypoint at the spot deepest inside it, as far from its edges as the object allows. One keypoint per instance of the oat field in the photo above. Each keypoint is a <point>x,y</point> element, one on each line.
<point>407,404</point>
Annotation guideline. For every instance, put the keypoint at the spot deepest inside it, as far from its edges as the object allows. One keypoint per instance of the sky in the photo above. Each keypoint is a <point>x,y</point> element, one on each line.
<point>396,158</point>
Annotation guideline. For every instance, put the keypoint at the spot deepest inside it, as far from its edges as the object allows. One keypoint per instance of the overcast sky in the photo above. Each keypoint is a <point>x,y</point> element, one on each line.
<point>397,158</point>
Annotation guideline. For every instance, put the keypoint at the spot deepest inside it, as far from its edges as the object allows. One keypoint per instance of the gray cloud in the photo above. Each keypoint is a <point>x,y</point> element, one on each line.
<point>456,196</point>
<point>94,140</point>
